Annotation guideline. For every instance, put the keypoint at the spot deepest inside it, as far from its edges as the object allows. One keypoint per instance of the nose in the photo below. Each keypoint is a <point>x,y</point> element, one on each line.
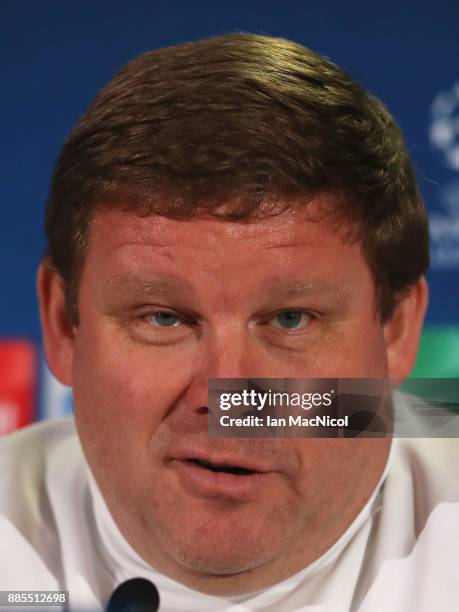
<point>228,353</point>
<point>231,353</point>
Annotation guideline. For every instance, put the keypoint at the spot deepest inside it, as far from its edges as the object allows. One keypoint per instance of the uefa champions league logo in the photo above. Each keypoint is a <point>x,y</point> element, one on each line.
<point>444,130</point>
<point>444,225</point>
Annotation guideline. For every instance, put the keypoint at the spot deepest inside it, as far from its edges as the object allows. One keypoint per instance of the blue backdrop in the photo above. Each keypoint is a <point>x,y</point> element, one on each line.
<point>57,55</point>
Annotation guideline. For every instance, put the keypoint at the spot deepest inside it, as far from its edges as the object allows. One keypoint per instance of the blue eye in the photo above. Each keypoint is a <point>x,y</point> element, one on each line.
<point>290,319</point>
<point>164,319</point>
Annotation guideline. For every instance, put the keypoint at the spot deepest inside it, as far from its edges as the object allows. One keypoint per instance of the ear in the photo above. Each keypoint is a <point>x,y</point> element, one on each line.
<point>58,333</point>
<point>402,332</point>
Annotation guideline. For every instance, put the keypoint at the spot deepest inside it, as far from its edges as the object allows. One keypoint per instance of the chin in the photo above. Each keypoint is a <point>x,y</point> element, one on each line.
<point>223,550</point>
<point>221,563</point>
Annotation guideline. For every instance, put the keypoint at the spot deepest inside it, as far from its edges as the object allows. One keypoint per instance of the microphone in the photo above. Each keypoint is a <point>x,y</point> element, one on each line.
<point>135,595</point>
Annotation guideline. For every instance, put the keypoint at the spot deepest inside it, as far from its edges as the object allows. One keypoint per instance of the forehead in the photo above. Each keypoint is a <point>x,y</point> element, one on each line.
<point>302,242</point>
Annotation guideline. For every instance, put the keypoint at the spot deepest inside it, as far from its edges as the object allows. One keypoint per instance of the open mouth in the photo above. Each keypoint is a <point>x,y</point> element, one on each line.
<point>227,469</point>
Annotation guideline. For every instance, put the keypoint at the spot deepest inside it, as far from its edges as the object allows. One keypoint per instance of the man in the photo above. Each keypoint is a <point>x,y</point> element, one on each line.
<point>231,208</point>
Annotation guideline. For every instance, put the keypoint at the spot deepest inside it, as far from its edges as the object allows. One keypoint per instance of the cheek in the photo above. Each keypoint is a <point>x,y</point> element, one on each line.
<point>362,350</point>
<point>351,351</point>
<point>123,390</point>
<point>332,472</point>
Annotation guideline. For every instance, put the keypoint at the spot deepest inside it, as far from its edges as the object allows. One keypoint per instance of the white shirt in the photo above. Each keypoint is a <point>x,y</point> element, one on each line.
<point>401,554</point>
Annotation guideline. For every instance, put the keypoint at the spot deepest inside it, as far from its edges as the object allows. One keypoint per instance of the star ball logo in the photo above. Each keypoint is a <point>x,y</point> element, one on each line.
<point>444,224</point>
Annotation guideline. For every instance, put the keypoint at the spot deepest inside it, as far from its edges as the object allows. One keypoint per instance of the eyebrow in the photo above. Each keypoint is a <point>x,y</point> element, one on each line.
<point>158,285</point>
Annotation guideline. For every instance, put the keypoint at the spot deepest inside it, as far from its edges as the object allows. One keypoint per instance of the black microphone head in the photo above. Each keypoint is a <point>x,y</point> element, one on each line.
<point>135,595</point>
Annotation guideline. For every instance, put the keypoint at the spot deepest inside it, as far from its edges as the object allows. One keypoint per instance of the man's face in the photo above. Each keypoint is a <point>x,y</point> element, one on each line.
<point>165,305</point>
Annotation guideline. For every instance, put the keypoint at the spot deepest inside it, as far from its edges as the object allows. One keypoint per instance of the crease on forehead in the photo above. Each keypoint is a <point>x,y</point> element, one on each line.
<point>275,231</point>
<point>311,287</point>
<point>157,285</point>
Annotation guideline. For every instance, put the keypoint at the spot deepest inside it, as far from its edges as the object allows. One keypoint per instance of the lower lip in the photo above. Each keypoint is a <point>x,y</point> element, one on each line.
<point>203,482</point>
